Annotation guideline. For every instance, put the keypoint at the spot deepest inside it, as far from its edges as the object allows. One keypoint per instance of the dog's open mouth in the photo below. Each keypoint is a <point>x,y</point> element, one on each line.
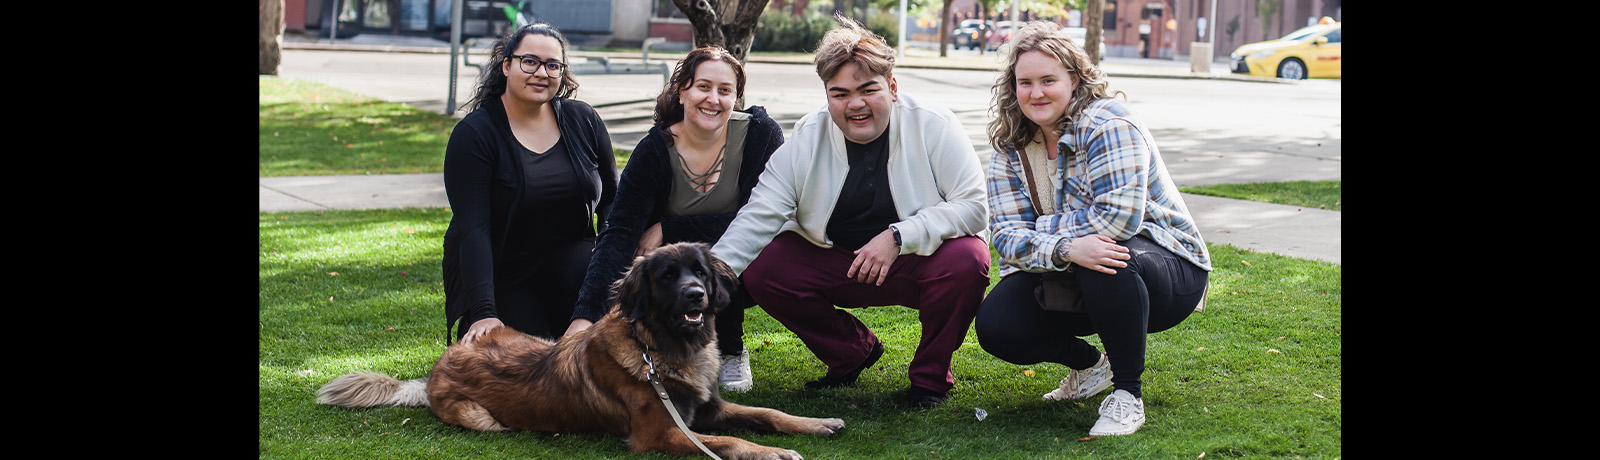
<point>695,318</point>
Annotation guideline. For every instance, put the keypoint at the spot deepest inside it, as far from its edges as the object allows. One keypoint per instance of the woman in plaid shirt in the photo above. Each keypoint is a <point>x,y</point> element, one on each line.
<point>1078,193</point>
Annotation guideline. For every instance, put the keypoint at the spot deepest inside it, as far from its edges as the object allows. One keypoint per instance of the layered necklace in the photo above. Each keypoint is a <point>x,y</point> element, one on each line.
<point>702,181</point>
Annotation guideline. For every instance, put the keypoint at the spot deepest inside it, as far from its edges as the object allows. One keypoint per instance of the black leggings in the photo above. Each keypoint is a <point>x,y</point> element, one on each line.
<point>538,297</point>
<point>730,323</point>
<point>1155,292</point>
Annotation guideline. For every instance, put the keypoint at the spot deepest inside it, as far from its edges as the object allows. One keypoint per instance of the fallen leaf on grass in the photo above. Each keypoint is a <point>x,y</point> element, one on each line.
<point>389,330</point>
<point>403,422</point>
<point>408,230</point>
<point>1085,439</point>
<point>1028,372</point>
<point>1247,264</point>
<point>333,273</point>
<point>1202,455</point>
<point>1274,350</point>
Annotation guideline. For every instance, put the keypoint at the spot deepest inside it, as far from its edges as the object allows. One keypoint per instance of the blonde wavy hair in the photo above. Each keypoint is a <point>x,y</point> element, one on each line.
<point>852,42</point>
<point>1009,129</point>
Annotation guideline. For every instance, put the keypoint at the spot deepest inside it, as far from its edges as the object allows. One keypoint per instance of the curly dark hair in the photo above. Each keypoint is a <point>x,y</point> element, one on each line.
<point>493,82</point>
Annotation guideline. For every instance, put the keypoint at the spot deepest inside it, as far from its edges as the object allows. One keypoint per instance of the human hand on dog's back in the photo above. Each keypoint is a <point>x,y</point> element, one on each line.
<point>578,325</point>
<point>479,328</point>
<point>649,241</point>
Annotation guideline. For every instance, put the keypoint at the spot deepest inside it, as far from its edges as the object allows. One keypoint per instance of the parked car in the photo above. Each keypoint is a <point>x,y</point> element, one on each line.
<point>1311,52</point>
<point>1000,35</point>
<point>1079,35</point>
<point>966,33</point>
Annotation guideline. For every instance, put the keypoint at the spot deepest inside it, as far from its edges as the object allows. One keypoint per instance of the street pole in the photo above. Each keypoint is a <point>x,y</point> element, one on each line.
<point>333,32</point>
<point>1211,35</point>
<point>455,44</point>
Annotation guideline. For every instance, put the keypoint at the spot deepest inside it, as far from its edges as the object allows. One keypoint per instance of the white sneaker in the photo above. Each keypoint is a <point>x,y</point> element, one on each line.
<point>736,372</point>
<point>1120,413</point>
<point>1081,384</point>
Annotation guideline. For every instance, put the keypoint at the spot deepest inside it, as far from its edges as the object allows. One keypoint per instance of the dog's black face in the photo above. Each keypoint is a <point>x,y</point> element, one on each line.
<point>677,290</point>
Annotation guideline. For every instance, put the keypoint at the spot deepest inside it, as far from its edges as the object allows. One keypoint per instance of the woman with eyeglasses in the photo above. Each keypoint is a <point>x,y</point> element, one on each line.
<point>685,182</point>
<point>530,175</point>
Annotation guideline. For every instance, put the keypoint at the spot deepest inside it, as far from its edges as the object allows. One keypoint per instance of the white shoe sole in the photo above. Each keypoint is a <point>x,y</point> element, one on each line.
<point>1117,432</point>
<point>1055,395</point>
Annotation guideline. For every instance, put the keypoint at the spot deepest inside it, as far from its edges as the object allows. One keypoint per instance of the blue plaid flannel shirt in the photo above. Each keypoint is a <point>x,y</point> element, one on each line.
<point>1115,185</point>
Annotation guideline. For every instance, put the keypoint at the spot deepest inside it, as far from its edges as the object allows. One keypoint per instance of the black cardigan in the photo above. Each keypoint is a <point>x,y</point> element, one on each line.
<point>641,198</point>
<point>483,180</point>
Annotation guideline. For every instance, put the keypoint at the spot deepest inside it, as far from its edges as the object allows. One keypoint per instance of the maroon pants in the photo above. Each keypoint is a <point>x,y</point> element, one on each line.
<point>798,284</point>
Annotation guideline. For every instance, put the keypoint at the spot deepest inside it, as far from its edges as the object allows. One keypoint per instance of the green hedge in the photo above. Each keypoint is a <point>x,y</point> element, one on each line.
<point>781,31</point>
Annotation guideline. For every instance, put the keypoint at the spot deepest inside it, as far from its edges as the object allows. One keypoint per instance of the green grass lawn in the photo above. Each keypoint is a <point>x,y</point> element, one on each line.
<point>1256,375</point>
<point>310,129</point>
<point>1313,194</point>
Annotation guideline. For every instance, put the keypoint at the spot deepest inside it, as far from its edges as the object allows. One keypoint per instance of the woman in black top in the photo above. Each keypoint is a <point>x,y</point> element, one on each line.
<point>685,182</point>
<point>527,173</point>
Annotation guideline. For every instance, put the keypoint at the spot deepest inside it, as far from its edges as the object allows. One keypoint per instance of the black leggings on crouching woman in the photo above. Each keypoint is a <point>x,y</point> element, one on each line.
<point>1155,292</point>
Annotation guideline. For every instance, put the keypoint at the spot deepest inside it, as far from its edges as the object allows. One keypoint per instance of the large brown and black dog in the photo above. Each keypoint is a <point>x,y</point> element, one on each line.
<point>597,380</point>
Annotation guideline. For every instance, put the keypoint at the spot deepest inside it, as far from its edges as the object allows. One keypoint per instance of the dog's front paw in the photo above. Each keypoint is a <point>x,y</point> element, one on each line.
<point>780,454</point>
<point>826,426</point>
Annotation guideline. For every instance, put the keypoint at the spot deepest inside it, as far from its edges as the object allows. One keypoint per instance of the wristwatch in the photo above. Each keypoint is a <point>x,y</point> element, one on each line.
<point>896,235</point>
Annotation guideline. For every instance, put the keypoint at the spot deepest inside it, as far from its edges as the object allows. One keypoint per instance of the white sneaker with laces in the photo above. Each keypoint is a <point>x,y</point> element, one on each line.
<point>1120,414</point>
<point>736,372</point>
<point>1084,383</point>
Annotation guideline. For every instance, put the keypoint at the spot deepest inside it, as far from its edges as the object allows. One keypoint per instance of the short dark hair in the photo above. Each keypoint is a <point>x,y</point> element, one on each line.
<point>668,108</point>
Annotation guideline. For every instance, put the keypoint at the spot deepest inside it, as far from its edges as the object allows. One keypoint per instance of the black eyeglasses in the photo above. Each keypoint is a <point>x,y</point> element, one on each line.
<point>531,64</point>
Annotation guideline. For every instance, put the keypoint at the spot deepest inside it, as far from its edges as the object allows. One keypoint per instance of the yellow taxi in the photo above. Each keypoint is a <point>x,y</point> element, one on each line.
<point>1311,52</point>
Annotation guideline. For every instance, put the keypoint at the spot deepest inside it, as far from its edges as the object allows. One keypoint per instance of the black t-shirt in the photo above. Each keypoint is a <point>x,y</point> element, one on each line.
<point>552,205</point>
<point>865,207</point>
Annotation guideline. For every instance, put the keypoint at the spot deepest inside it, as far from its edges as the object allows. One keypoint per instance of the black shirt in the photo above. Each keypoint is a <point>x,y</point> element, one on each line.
<point>865,207</point>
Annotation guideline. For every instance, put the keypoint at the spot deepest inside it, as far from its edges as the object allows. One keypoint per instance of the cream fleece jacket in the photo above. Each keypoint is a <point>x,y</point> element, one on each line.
<point>934,175</point>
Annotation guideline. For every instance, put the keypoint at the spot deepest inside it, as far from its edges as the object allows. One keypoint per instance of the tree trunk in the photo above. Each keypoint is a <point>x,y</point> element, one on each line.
<point>270,36</point>
<point>1092,25</point>
<point>730,24</point>
<point>944,29</point>
<point>983,33</point>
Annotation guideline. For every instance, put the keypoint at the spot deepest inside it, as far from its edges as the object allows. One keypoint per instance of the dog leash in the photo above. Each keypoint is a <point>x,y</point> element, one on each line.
<point>662,392</point>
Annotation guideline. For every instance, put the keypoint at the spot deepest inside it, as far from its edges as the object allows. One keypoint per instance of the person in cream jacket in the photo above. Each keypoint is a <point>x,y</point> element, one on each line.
<point>877,199</point>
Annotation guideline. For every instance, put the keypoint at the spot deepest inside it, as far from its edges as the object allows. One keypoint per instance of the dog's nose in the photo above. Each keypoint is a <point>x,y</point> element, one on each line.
<point>694,293</point>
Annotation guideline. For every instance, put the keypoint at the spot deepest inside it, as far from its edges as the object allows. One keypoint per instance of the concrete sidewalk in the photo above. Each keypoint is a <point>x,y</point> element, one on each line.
<point>1263,227</point>
<point>1287,230</point>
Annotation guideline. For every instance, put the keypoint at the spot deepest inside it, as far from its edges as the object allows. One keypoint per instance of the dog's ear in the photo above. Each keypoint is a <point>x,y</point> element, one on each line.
<point>722,276</point>
<point>632,292</point>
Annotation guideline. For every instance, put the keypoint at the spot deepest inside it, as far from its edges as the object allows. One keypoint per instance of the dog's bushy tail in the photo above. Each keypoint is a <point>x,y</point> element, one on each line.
<point>371,389</point>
